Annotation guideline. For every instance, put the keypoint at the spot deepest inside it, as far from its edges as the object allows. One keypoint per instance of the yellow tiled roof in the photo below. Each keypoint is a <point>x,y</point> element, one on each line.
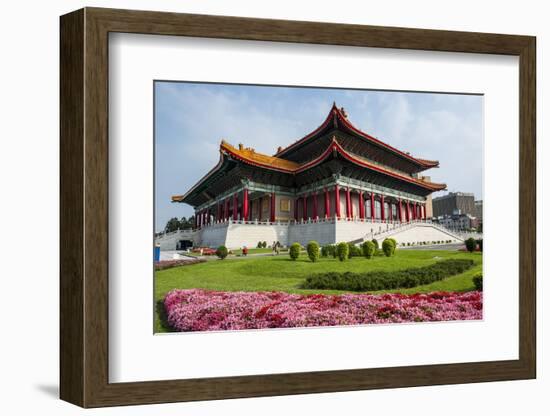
<point>251,155</point>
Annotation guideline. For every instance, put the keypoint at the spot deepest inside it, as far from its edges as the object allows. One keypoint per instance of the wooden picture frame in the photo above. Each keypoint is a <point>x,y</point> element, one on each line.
<point>84,207</point>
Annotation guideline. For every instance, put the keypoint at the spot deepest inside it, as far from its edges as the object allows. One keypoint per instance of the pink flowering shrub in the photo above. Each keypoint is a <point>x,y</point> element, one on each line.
<point>202,310</point>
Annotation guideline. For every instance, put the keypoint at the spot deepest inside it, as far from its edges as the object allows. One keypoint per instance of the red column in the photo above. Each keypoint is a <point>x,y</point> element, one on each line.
<point>235,204</point>
<point>327,204</point>
<point>296,208</point>
<point>423,212</point>
<point>245,204</point>
<point>196,219</point>
<point>337,201</point>
<point>361,206</point>
<point>272,210</point>
<point>408,211</point>
<point>260,208</point>
<point>304,207</point>
<point>415,212</point>
<point>399,211</point>
<point>218,211</point>
<point>372,207</point>
<point>382,210</point>
<point>315,206</point>
<point>348,204</point>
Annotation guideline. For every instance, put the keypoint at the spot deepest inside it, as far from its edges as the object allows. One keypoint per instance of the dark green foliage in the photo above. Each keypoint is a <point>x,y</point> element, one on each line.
<point>259,244</point>
<point>478,281</point>
<point>354,251</point>
<point>313,250</point>
<point>221,252</point>
<point>375,242</point>
<point>368,249</point>
<point>470,244</point>
<point>384,280</point>
<point>294,250</point>
<point>328,251</point>
<point>174,224</point>
<point>264,244</point>
<point>342,251</point>
<point>480,244</point>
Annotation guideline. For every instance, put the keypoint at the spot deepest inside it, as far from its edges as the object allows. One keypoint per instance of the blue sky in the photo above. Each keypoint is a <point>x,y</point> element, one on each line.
<point>192,118</point>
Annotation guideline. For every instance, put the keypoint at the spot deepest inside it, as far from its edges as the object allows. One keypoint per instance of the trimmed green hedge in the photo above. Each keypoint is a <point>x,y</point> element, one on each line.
<point>294,251</point>
<point>313,250</point>
<point>222,252</point>
<point>368,249</point>
<point>478,281</point>
<point>342,251</point>
<point>383,280</point>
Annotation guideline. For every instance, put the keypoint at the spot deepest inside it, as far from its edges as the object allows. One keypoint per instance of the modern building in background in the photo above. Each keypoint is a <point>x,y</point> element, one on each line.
<point>335,184</point>
<point>479,210</point>
<point>454,203</point>
<point>458,222</point>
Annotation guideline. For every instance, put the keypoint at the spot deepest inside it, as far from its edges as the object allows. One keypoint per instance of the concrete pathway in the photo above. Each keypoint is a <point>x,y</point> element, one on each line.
<point>448,247</point>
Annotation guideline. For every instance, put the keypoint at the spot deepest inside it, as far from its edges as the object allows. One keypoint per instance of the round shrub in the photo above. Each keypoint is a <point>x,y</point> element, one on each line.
<point>259,245</point>
<point>221,252</point>
<point>324,251</point>
<point>394,242</point>
<point>294,250</point>
<point>375,242</point>
<point>470,244</point>
<point>480,244</point>
<point>264,244</point>
<point>368,249</point>
<point>342,251</point>
<point>387,247</point>
<point>354,251</point>
<point>313,250</point>
<point>478,281</point>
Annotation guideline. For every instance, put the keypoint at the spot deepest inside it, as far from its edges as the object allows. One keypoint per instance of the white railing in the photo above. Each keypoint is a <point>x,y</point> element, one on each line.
<point>292,221</point>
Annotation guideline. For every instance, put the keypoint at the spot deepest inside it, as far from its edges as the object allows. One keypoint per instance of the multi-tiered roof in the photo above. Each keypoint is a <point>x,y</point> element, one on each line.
<point>335,147</point>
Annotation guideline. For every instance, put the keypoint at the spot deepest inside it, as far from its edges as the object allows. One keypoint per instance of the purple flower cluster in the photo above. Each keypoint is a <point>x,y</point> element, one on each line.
<point>202,310</point>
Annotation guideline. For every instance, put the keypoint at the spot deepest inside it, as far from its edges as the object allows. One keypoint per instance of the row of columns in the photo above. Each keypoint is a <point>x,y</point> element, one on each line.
<point>406,211</point>
<point>230,208</point>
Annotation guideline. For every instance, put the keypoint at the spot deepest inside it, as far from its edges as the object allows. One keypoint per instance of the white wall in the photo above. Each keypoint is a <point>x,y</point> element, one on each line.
<point>29,167</point>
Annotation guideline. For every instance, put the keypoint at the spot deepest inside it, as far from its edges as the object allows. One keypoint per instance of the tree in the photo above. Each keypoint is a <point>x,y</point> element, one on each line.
<point>470,244</point>
<point>173,224</point>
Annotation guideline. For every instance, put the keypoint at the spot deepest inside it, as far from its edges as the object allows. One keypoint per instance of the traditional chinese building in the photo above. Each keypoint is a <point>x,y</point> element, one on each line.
<point>337,183</point>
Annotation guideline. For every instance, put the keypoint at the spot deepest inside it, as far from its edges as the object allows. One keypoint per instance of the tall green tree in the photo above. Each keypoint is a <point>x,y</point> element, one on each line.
<point>173,224</point>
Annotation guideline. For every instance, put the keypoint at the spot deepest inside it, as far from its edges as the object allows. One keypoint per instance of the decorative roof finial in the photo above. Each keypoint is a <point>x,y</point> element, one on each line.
<point>344,112</point>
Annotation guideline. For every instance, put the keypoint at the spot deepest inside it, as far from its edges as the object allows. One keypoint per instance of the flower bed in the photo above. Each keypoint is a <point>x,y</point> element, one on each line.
<point>168,264</point>
<point>202,310</point>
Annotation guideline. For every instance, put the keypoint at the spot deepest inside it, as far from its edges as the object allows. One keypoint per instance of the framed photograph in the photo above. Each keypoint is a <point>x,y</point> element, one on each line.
<point>244,199</point>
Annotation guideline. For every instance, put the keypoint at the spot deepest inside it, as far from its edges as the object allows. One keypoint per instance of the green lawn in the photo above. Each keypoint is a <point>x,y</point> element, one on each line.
<point>279,273</point>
